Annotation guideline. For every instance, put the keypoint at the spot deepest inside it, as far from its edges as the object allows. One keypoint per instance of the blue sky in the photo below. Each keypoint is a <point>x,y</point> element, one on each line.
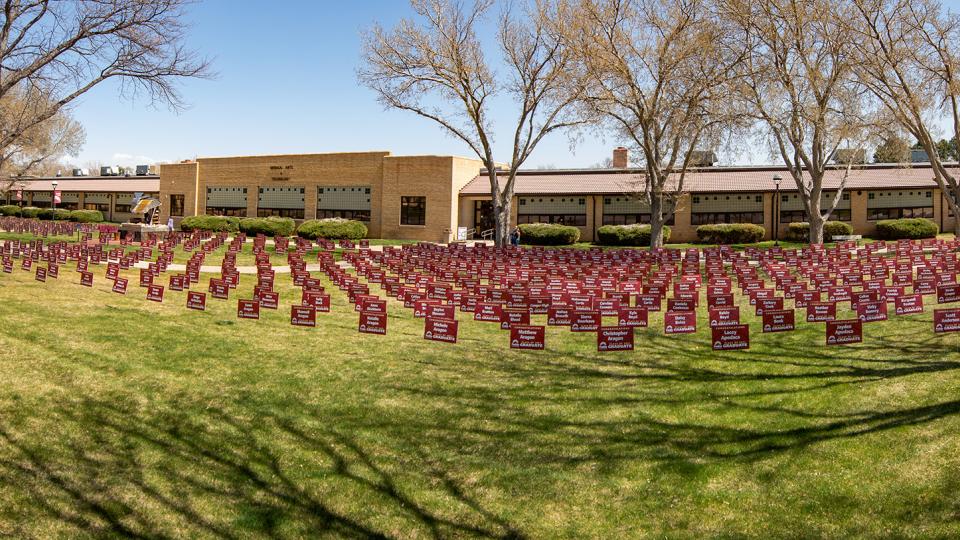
<point>286,84</point>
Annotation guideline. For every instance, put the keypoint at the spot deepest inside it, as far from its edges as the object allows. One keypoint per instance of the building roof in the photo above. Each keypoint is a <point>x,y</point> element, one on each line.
<point>148,184</point>
<point>706,180</point>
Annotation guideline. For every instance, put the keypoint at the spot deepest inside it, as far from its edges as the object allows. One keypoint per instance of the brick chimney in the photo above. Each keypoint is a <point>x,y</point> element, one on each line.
<point>621,158</point>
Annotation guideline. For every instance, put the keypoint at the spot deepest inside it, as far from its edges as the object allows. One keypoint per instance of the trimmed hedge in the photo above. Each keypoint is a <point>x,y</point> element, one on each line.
<point>333,228</point>
<point>548,234</point>
<point>800,231</point>
<point>896,229</point>
<point>49,213</point>
<point>210,223</point>
<point>30,212</point>
<point>628,235</point>
<point>9,210</point>
<point>269,226</point>
<point>730,233</point>
<point>86,216</point>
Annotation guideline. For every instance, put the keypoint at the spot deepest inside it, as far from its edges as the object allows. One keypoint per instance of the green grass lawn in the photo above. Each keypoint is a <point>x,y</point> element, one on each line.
<point>120,416</point>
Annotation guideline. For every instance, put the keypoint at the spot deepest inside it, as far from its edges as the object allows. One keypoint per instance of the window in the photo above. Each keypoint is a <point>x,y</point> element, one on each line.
<point>800,216</point>
<point>413,210</point>
<point>875,214</point>
<point>630,219</point>
<point>226,211</point>
<point>358,215</point>
<point>577,220</point>
<point>100,207</point>
<point>709,218</point>
<point>69,205</point>
<point>295,213</point>
<point>176,205</point>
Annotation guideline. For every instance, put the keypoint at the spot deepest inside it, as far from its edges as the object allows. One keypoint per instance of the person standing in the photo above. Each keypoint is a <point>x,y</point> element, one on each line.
<point>515,236</point>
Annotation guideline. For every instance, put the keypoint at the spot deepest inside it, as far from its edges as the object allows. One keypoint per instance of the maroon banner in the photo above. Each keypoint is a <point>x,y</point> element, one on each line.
<point>527,337</point>
<point>782,320</point>
<point>444,330</point>
<point>248,309</point>
<point>680,322</point>
<point>585,321</point>
<point>120,285</point>
<point>946,320</point>
<point>844,331</point>
<point>728,338</point>
<point>373,323</point>
<point>196,300</point>
<point>303,316</point>
<point>155,293</point>
<point>614,338</point>
<point>908,304</point>
<point>724,316</point>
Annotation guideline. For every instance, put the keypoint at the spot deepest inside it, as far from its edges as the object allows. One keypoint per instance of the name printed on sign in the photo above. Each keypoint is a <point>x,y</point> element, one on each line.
<point>844,331</point>
<point>155,293</point>
<point>872,311</point>
<point>196,300</point>
<point>120,286</point>
<point>908,304</point>
<point>680,322</point>
<point>86,279</point>
<point>821,311</point>
<point>947,294</point>
<point>585,321</point>
<point>782,320</point>
<point>559,316</point>
<point>946,320</point>
<point>373,323</point>
<point>304,315</point>
<point>614,338</point>
<point>248,309</point>
<point>724,316</point>
<point>444,330</point>
<point>727,338</point>
<point>634,317</point>
<point>527,337</point>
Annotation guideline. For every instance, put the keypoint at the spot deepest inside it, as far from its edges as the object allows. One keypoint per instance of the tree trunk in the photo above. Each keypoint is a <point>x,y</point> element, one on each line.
<point>816,221</point>
<point>501,219</point>
<point>656,222</point>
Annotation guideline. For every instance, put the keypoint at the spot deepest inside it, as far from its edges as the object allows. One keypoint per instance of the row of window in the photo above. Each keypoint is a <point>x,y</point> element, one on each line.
<point>710,218</point>
<point>796,216</point>
<point>876,214</point>
<point>577,220</point>
<point>413,211</point>
<point>630,219</point>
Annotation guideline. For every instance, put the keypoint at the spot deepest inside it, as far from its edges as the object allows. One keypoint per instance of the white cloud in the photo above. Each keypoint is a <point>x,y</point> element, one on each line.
<point>130,160</point>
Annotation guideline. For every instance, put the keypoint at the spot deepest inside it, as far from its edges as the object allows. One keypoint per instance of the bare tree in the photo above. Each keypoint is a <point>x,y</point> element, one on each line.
<point>656,74</point>
<point>436,67</point>
<point>910,60</point>
<point>40,145</point>
<point>60,50</point>
<point>800,84</point>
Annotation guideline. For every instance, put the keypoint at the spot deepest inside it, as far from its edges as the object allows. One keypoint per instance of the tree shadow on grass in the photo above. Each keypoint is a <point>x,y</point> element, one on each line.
<point>211,473</point>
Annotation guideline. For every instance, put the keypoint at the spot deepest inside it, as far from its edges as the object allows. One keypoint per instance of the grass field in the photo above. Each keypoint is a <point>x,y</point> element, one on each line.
<point>120,416</point>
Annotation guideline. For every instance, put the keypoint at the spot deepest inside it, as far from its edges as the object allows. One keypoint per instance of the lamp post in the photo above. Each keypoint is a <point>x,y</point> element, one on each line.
<point>776,205</point>
<point>23,186</point>
<point>53,199</point>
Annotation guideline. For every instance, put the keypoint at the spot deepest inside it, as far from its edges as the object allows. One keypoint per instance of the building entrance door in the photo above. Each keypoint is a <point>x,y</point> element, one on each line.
<point>482,216</point>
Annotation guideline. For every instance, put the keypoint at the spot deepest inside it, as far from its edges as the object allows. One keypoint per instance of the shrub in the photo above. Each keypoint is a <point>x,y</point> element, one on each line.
<point>548,234</point>
<point>895,229</point>
<point>9,210</point>
<point>209,223</point>
<point>334,228</point>
<point>628,235</point>
<point>49,213</point>
<point>730,233</point>
<point>86,216</point>
<point>800,231</point>
<point>30,212</point>
<point>269,226</point>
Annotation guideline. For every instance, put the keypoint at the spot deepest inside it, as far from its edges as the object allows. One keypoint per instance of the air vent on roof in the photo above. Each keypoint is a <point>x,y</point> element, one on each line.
<point>108,171</point>
<point>143,170</point>
<point>80,172</point>
<point>703,158</point>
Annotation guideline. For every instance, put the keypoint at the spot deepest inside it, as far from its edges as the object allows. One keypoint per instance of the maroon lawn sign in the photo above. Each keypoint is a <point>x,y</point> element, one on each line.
<point>444,330</point>
<point>909,304</point>
<point>196,300</point>
<point>821,311</point>
<point>86,279</point>
<point>946,320</point>
<point>782,320</point>
<point>248,309</point>
<point>41,274</point>
<point>527,337</point>
<point>680,322</point>
<point>120,285</point>
<point>635,317</point>
<point>872,311</point>
<point>303,316</point>
<point>724,316</point>
<point>614,338</point>
<point>585,321</point>
<point>844,331</point>
<point>155,293</point>
<point>373,323</point>
<point>728,338</point>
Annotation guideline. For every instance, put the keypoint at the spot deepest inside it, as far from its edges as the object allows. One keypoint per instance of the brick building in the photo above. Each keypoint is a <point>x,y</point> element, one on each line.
<point>430,197</point>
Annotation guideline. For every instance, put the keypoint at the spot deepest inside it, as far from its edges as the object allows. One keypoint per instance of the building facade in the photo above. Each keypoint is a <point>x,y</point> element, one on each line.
<point>430,197</point>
